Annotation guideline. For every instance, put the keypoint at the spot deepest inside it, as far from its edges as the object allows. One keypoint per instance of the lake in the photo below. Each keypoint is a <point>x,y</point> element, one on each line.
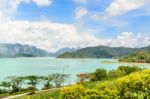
<point>47,65</point>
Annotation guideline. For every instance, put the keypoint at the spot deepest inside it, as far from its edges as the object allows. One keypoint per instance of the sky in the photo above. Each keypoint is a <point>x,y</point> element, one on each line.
<point>54,24</point>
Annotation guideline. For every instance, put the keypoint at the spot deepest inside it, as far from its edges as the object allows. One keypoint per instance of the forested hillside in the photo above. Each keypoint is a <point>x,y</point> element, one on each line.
<point>101,52</point>
<point>140,57</point>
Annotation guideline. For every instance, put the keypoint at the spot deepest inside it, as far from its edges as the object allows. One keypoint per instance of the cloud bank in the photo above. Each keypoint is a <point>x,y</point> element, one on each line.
<point>52,36</point>
<point>46,35</point>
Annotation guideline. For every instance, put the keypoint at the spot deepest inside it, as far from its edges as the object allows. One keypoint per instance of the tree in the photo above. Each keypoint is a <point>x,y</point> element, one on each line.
<point>33,80</point>
<point>6,84</point>
<point>16,83</point>
<point>47,81</point>
<point>58,79</point>
<point>100,74</point>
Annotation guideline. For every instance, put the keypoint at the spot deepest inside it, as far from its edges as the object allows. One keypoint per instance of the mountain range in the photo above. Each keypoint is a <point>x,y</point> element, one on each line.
<point>19,50</point>
<point>101,52</point>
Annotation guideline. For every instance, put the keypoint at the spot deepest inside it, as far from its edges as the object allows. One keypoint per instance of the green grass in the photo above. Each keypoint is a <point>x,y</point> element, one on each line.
<point>55,94</point>
<point>4,95</point>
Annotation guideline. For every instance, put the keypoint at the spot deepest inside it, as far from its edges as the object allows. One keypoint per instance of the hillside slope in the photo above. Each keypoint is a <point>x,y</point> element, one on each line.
<point>140,57</point>
<point>101,52</point>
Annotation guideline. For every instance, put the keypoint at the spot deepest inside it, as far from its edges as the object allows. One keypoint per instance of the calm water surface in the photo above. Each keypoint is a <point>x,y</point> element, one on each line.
<point>47,65</point>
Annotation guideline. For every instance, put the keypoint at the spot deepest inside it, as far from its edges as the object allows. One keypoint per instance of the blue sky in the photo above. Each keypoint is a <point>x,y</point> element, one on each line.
<point>53,24</point>
<point>63,11</point>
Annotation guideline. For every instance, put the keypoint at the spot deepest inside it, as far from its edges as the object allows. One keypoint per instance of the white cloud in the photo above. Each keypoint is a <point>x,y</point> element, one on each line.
<point>80,13</point>
<point>81,1</point>
<point>119,7</point>
<point>15,3</point>
<point>43,2</point>
<point>108,21</point>
<point>8,8</point>
<point>53,36</point>
<point>46,35</point>
<point>129,39</point>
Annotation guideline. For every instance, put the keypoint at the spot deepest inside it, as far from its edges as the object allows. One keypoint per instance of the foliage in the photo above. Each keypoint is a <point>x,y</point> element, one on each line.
<point>58,79</point>
<point>5,84</point>
<point>139,57</point>
<point>47,81</point>
<point>13,84</point>
<point>128,69</point>
<point>16,83</point>
<point>115,73</point>
<point>133,86</point>
<point>78,92</point>
<point>100,74</point>
<point>33,80</point>
<point>101,52</point>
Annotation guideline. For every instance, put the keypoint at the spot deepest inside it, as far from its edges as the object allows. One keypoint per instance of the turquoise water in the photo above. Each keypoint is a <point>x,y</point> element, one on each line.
<point>46,65</point>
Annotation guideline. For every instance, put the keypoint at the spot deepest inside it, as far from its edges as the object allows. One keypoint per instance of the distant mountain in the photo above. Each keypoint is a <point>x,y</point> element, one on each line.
<point>18,50</point>
<point>64,50</point>
<point>101,52</point>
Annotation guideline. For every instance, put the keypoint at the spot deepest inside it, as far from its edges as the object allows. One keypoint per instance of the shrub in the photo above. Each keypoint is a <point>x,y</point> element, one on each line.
<point>73,92</point>
<point>133,86</point>
<point>79,92</point>
<point>115,73</point>
<point>100,74</point>
<point>129,69</point>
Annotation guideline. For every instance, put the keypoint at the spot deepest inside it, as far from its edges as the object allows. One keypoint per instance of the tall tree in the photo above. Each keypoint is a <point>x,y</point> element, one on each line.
<point>16,83</point>
<point>58,79</point>
<point>33,80</point>
<point>47,81</point>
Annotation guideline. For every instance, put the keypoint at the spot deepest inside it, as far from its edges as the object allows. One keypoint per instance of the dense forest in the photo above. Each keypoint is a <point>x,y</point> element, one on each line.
<point>101,52</point>
<point>139,57</point>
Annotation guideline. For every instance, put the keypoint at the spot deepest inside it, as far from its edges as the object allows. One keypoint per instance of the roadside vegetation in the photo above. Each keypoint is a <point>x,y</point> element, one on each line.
<point>125,82</point>
<point>22,84</point>
<point>122,83</point>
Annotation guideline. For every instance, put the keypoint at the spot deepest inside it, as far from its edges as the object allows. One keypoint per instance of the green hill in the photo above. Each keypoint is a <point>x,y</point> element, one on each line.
<point>140,57</point>
<point>101,52</point>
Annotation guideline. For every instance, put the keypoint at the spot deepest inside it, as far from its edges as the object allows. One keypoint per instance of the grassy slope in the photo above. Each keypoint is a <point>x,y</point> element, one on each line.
<point>55,94</point>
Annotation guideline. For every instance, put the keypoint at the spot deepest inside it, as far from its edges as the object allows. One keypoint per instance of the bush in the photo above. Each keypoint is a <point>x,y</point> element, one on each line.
<point>73,92</point>
<point>115,73</point>
<point>133,86</point>
<point>79,92</point>
<point>129,69</point>
<point>100,74</point>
